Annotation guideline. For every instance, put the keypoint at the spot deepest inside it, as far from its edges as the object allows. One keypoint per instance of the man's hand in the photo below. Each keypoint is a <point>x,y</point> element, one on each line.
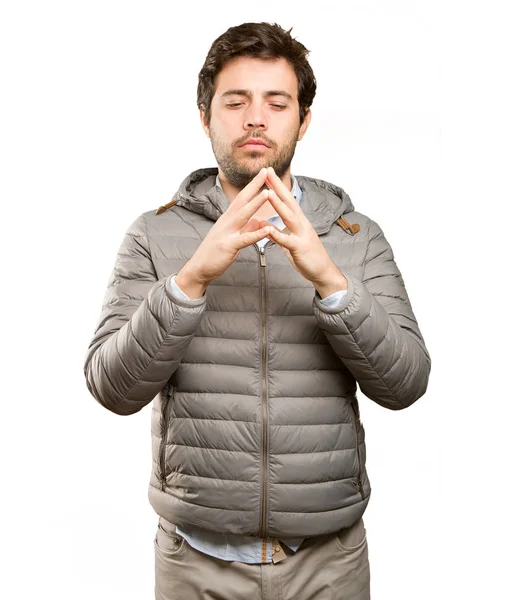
<point>302,246</point>
<point>233,231</point>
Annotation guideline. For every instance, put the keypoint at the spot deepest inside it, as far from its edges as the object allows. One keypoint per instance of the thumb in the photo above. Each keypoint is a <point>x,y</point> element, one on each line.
<point>251,225</point>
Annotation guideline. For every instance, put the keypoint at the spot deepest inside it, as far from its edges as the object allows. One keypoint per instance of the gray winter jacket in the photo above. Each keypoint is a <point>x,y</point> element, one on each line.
<point>255,420</point>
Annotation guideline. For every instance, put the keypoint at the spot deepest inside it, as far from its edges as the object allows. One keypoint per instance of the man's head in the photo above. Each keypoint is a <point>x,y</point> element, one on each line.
<point>256,83</point>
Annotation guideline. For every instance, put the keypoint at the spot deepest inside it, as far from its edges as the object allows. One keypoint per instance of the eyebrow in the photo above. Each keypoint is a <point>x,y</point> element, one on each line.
<point>266,94</point>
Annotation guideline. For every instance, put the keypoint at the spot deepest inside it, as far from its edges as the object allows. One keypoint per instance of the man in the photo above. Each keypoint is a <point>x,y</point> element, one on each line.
<point>248,309</point>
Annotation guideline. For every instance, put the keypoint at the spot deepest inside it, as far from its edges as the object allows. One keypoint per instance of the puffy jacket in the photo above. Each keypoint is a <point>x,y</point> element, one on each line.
<point>255,420</point>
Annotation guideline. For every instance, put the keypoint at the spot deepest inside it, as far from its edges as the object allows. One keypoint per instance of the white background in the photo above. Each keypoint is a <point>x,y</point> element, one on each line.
<point>415,117</point>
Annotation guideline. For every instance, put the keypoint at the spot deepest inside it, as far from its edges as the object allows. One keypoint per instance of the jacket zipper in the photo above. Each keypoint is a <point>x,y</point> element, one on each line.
<point>263,264</point>
<point>359,485</point>
<point>164,423</point>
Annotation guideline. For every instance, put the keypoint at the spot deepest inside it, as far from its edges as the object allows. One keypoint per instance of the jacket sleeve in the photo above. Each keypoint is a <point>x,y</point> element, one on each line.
<point>374,331</point>
<point>142,333</point>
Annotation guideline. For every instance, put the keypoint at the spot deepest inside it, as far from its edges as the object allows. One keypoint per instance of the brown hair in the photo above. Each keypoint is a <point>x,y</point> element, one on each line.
<point>257,40</point>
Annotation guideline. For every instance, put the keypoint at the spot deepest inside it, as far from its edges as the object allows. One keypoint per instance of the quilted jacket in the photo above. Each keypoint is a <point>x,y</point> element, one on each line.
<point>255,420</point>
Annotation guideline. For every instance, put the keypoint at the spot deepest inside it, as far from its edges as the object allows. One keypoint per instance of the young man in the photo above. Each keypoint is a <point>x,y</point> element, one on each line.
<point>248,309</point>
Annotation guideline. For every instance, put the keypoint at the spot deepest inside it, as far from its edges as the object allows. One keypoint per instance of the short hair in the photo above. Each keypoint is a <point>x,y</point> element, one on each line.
<point>256,40</point>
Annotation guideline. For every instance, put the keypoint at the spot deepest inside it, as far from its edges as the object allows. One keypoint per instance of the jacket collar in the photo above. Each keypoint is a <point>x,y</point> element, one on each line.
<point>322,202</point>
<point>296,190</point>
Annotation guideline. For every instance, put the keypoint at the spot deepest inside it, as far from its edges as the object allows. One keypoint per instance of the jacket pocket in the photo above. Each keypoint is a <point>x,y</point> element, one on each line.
<point>167,402</point>
<point>357,424</point>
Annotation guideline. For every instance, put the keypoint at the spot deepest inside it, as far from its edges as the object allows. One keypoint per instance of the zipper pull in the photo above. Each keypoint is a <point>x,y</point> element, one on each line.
<point>278,553</point>
<point>263,260</point>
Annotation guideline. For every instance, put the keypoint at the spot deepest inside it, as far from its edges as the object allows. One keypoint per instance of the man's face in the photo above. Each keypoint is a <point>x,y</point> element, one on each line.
<point>255,99</point>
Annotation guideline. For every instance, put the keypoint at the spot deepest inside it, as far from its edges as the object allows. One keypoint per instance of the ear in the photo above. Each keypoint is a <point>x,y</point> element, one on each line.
<point>304,125</point>
<point>203,120</point>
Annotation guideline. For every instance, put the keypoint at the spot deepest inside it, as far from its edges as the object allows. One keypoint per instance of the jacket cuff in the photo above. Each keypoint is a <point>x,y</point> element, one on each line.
<point>344,302</point>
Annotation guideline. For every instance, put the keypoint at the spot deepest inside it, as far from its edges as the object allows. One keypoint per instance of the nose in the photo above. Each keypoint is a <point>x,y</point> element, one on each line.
<point>255,117</point>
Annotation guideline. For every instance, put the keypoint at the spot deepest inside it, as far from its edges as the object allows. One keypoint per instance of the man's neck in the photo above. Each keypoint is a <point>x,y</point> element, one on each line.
<point>231,192</point>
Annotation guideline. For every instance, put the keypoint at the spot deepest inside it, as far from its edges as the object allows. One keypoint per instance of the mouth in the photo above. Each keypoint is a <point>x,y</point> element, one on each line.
<point>254,145</point>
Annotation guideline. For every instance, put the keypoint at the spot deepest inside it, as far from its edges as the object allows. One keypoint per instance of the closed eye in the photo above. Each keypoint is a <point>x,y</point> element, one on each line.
<point>276,106</point>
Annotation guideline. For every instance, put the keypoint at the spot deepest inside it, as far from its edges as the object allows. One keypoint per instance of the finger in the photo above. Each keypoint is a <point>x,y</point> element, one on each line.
<point>283,239</point>
<point>286,213</point>
<point>275,183</point>
<point>251,237</point>
<point>249,191</point>
<point>284,232</point>
<point>264,223</point>
<point>246,212</point>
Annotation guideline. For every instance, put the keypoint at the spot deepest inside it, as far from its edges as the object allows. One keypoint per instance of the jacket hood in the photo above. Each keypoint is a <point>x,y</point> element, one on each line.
<point>322,202</point>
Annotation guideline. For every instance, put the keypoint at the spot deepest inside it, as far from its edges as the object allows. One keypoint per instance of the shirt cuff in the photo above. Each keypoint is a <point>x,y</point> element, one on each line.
<point>334,300</point>
<point>176,291</point>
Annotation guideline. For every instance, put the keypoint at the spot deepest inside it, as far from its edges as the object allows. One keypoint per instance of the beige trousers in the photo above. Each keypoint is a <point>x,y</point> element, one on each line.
<point>329,567</point>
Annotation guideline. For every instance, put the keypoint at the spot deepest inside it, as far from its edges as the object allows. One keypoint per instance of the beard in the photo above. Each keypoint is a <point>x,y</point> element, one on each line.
<point>241,172</point>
